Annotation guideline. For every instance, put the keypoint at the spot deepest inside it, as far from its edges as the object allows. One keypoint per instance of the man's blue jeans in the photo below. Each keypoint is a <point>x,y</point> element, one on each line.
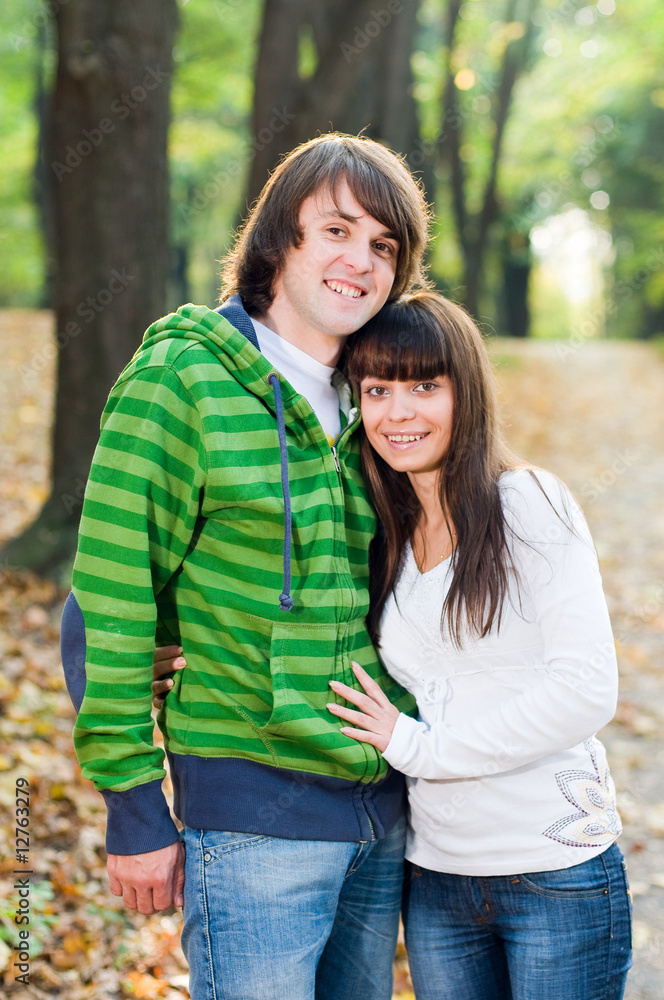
<point>559,935</point>
<point>269,919</point>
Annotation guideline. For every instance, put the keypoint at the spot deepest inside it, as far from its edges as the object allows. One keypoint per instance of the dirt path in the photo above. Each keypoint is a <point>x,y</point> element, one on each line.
<point>595,416</point>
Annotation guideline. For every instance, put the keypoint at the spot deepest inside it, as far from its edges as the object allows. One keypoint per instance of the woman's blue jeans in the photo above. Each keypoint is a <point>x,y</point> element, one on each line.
<point>558,935</point>
<point>273,919</point>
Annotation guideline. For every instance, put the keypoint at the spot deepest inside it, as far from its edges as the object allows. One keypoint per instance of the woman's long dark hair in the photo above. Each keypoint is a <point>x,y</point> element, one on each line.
<point>420,337</point>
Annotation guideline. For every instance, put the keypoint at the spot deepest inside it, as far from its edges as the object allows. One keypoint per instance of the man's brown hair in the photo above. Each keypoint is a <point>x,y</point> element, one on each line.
<point>378,180</point>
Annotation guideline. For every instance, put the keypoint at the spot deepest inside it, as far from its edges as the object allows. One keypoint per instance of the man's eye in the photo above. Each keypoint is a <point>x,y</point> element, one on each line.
<point>384,248</point>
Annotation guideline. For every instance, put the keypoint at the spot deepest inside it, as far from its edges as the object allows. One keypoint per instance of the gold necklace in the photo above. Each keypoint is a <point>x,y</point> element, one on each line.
<point>447,551</point>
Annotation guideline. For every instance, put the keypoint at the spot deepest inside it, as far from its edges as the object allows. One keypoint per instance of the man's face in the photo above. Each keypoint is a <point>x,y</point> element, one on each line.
<point>339,276</point>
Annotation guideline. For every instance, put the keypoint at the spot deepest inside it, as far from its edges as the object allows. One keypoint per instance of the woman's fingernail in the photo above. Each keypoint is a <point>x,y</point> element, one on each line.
<point>180,662</point>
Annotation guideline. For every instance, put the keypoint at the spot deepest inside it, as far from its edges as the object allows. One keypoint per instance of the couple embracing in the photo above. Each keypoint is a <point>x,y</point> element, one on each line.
<point>376,603</point>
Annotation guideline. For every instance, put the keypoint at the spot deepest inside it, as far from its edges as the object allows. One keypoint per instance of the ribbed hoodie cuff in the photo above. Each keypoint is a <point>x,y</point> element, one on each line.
<point>139,820</point>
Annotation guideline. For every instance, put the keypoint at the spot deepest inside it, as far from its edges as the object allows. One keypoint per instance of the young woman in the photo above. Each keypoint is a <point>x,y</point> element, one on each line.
<point>487,605</point>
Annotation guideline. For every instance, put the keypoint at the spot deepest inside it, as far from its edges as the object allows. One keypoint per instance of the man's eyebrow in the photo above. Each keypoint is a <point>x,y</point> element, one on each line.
<point>338,214</point>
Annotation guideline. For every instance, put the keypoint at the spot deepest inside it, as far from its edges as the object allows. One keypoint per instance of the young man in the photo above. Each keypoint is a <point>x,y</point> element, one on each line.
<point>226,512</point>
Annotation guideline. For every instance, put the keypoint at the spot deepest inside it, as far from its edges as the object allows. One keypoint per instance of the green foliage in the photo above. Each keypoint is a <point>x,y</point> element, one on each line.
<point>21,245</point>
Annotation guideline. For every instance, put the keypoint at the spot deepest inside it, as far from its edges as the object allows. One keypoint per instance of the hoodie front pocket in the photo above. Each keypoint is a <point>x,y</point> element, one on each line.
<point>302,730</point>
<point>303,661</point>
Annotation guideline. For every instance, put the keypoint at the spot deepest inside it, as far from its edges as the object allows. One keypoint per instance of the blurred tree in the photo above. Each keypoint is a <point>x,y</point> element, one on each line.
<point>109,175</point>
<point>632,176</point>
<point>473,222</point>
<point>41,178</point>
<point>332,65</point>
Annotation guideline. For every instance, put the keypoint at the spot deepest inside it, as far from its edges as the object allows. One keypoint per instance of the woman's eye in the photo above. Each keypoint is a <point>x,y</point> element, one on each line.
<point>375,390</point>
<point>427,386</point>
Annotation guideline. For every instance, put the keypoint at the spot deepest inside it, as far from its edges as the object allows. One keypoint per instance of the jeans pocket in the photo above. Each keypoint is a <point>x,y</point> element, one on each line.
<point>586,880</point>
<point>217,843</point>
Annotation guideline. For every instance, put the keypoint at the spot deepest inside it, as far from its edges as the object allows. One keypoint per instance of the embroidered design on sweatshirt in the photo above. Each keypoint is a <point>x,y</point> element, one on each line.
<point>597,822</point>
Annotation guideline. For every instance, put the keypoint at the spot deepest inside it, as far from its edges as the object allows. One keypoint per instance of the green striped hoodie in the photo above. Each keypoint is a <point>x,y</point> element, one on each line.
<point>182,540</point>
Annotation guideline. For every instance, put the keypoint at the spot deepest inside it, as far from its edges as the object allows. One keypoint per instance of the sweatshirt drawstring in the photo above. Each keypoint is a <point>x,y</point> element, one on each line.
<point>285,600</point>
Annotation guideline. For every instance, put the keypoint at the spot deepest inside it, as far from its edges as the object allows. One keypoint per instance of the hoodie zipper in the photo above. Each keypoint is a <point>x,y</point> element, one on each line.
<point>353,418</point>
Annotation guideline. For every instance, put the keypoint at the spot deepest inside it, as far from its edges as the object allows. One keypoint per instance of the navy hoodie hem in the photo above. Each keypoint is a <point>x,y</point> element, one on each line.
<point>228,793</point>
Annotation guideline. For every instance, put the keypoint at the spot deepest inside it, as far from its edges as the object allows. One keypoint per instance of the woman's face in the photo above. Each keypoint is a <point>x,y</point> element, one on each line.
<point>409,424</point>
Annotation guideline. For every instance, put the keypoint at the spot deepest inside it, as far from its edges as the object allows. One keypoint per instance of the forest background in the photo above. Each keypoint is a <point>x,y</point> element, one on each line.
<point>138,134</point>
<point>133,136</point>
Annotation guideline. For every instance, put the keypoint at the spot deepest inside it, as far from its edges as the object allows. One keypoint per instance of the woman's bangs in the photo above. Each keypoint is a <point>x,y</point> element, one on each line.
<point>398,345</point>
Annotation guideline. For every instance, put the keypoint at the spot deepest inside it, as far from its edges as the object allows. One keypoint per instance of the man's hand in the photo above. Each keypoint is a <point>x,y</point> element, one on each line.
<point>377,717</point>
<point>167,659</point>
<point>149,882</point>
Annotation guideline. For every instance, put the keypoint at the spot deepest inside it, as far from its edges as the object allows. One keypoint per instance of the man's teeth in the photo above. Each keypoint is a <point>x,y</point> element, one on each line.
<point>400,438</point>
<point>353,293</point>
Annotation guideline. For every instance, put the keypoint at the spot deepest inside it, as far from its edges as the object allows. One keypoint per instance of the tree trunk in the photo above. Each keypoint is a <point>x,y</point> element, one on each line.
<point>108,168</point>
<point>450,137</point>
<point>397,109</point>
<point>516,266</point>
<point>276,86</point>
<point>514,62</point>
<point>473,228</point>
<point>42,189</point>
<point>362,79</point>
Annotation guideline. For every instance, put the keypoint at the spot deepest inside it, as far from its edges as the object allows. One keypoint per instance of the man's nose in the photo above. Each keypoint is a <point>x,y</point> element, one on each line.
<point>358,255</point>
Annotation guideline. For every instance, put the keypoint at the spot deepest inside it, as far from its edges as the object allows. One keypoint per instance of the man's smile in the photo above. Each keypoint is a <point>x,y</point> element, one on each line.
<point>345,288</point>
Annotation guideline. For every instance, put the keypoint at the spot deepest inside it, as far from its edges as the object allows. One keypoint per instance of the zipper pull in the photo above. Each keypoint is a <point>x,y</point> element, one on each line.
<point>336,460</point>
